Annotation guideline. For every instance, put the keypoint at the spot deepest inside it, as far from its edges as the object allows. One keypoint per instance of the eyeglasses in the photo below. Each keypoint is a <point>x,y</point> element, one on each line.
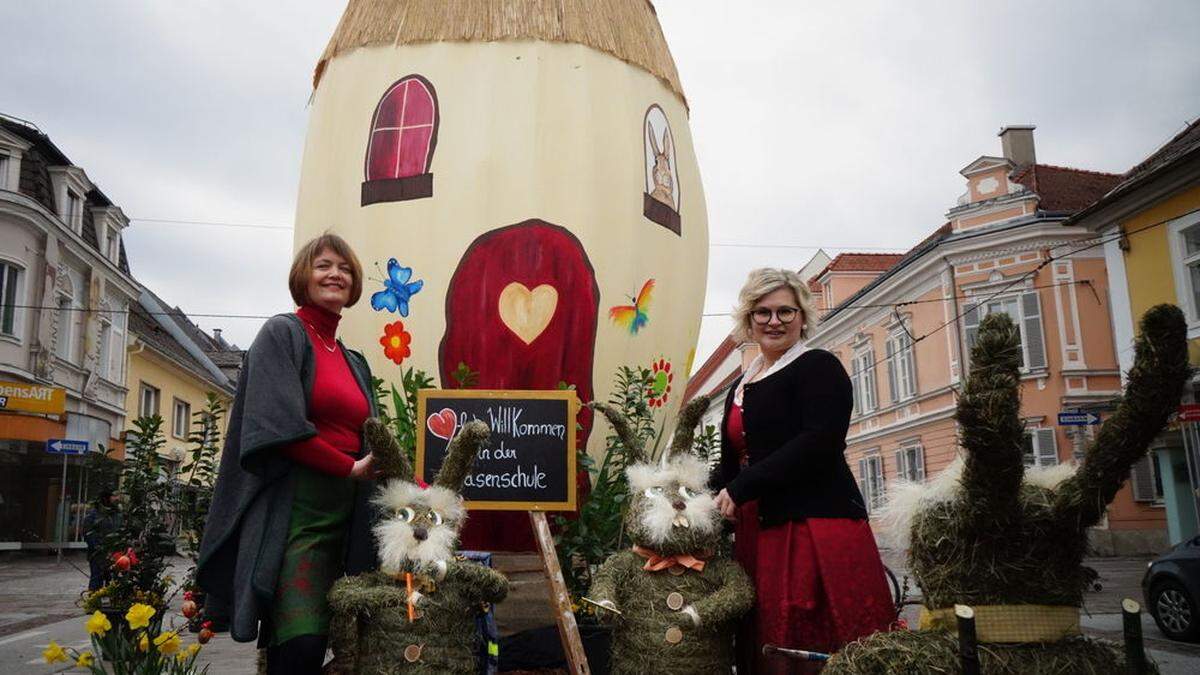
<point>763,315</point>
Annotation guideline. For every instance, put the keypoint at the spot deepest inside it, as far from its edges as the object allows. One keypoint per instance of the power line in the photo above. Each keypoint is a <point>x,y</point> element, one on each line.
<point>254,226</point>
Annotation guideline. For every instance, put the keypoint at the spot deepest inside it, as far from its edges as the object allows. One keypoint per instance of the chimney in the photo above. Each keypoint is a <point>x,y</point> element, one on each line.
<point>217,335</point>
<point>1017,141</point>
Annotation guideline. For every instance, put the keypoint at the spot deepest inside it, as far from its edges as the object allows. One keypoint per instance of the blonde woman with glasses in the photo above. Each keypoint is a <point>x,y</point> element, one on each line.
<point>802,529</point>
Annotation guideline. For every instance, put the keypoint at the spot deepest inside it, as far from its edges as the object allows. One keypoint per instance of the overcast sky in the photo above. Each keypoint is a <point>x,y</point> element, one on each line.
<point>840,125</point>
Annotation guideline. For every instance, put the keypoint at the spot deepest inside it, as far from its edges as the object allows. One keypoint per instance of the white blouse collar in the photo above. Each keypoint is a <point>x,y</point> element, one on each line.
<point>756,365</point>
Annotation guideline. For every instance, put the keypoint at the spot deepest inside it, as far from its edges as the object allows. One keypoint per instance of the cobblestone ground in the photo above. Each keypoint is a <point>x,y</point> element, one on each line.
<point>37,604</point>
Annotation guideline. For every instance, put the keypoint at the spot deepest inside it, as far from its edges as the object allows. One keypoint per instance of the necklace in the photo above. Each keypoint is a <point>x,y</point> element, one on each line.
<point>326,345</point>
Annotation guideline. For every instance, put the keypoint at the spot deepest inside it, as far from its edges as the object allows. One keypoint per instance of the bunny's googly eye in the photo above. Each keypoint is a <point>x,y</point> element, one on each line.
<point>435,517</point>
<point>406,514</point>
<point>686,492</point>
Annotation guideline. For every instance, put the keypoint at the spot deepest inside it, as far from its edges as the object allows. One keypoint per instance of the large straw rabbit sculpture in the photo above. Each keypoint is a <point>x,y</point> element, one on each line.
<point>677,601</point>
<point>417,613</point>
<point>990,535</point>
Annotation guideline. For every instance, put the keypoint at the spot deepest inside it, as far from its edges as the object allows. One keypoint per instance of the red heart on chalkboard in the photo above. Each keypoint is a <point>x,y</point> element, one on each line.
<point>443,423</point>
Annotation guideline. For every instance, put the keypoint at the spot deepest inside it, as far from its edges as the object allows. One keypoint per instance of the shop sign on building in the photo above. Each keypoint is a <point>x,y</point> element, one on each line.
<point>35,398</point>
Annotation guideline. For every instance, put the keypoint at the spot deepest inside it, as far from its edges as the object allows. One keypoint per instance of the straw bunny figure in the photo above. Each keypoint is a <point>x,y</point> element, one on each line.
<point>676,600</point>
<point>1009,542</point>
<point>417,613</point>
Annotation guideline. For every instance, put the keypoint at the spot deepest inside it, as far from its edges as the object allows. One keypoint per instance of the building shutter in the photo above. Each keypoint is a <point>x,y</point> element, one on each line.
<point>893,364</point>
<point>864,480</point>
<point>855,383</point>
<point>1047,448</point>
<point>971,324</point>
<point>1141,479</point>
<point>901,462</point>
<point>1035,344</point>
<point>919,456</point>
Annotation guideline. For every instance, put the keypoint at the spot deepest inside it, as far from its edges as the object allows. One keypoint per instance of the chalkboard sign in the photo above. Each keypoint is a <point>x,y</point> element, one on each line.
<point>528,464</point>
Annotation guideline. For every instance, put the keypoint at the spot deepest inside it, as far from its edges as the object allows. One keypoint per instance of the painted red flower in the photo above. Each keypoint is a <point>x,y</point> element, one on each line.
<point>395,342</point>
<point>660,383</point>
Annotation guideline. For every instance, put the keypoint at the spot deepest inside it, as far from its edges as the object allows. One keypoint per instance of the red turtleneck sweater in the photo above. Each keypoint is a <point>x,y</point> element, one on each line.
<point>338,406</point>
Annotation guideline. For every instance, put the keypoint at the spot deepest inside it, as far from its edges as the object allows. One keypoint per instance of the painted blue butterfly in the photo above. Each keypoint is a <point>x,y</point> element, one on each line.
<point>397,290</point>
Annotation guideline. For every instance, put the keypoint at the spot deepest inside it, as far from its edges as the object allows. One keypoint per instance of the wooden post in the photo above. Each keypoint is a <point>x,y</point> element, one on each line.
<point>560,599</point>
<point>1135,650</point>
<point>968,646</point>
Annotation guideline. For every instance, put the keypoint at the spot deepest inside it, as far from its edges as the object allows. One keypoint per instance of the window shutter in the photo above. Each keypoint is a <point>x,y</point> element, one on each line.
<point>1141,479</point>
<point>1034,341</point>
<point>1047,448</point>
<point>855,384</point>
<point>910,360</point>
<point>893,364</point>
<point>871,395</point>
<point>864,481</point>
<point>901,469</point>
<point>919,455</point>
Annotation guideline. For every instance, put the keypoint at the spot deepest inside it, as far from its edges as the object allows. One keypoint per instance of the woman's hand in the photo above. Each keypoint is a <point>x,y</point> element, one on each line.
<point>726,506</point>
<point>365,469</point>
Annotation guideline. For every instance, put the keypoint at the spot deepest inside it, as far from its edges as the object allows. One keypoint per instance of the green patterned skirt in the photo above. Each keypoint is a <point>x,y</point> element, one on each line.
<point>321,510</point>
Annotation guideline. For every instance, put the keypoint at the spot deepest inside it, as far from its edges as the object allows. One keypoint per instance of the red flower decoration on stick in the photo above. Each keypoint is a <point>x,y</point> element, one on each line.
<point>660,383</point>
<point>395,342</point>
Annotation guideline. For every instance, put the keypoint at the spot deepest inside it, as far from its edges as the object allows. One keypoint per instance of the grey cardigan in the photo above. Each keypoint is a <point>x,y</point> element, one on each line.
<point>246,533</point>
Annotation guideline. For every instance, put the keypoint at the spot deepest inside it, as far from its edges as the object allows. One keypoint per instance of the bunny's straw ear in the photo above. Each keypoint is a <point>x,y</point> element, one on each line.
<point>621,426</point>
<point>460,455</point>
<point>685,426</point>
<point>393,461</point>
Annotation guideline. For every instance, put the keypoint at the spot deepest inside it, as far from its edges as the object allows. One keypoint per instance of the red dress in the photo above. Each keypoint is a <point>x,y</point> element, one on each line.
<point>819,582</point>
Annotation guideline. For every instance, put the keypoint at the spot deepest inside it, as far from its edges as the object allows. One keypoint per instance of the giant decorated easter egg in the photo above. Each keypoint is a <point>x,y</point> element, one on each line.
<point>519,181</point>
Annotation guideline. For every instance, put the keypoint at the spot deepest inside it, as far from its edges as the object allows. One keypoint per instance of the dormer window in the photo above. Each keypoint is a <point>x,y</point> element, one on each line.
<point>113,241</point>
<point>5,162</point>
<point>73,213</point>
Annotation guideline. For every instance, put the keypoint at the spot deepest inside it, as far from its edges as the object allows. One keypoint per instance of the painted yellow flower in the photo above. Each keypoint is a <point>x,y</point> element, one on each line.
<point>144,643</point>
<point>85,660</point>
<point>98,624</point>
<point>168,643</point>
<point>54,653</point>
<point>139,615</point>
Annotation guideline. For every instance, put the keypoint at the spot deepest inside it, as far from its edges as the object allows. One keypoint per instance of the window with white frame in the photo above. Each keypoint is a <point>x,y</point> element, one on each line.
<point>10,297</point>
<point>116,372</point>
<point>1081,436</point>
<point>73,215</point>
<point>181,419</point>
<point>5,162</point>
<point>1145,479</point>
<point>104,349</point>
<point>1185,250</point>
<point>1025,310</point>
<point>147,400</point>
<point>114,244</point>
<point>1039,447</point>
<point>862,379</point>
<point>902,367</point>
<point>910,462</point>
<point>871,480</point>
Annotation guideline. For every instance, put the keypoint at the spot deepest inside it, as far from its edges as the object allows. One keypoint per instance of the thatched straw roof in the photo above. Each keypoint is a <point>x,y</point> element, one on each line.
<point>627,29</point>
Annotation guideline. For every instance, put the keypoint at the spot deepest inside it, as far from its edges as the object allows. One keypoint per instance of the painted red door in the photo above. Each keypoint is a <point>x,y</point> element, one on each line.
<point>521,310</point>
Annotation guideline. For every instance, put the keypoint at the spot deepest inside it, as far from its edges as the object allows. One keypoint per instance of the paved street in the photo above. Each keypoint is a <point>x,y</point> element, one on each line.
<point>37,599</point>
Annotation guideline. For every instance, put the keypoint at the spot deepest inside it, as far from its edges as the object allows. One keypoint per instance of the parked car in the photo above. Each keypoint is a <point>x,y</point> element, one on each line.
<point>1171,589</point>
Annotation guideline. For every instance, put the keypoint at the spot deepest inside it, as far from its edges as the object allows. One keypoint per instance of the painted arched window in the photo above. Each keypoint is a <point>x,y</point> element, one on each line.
<point>400,149</point>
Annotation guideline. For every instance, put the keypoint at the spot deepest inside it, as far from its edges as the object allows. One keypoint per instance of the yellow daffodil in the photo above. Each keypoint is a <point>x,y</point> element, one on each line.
<point>168,643</point>
<point>85,660</point>
<point>193,649</point>
<point>54,653</point>
<point>182,656</point>
<point>98,624</point>
<point>139,615</point>
<point>144,643</point>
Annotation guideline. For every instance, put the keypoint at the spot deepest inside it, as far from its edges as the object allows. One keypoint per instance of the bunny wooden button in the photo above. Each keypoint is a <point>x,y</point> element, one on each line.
<point>412,653</point>
<point>675,601</point>
<point>674,635</point>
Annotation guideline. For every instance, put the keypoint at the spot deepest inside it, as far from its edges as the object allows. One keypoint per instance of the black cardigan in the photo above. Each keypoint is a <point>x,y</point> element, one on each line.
<point>795,421</point>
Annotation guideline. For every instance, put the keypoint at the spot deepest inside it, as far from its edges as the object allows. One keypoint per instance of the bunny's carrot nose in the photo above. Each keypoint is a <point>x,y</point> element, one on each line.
<point>420,533</point>
<point>679,505</point>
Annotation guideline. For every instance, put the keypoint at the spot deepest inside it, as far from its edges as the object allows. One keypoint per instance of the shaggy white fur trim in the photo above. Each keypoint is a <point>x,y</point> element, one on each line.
<point>691,611</point>
<point>685,470</point>
<point>397,494</point>
<point>905,498</point>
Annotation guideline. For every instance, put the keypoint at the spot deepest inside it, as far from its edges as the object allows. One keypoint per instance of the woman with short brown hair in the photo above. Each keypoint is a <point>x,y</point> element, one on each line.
<point>290,512</point>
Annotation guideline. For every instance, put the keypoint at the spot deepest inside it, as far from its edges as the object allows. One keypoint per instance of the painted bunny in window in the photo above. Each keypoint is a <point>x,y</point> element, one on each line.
<point>664,184</point>
<point>677,601</point>
<point>417,613</point>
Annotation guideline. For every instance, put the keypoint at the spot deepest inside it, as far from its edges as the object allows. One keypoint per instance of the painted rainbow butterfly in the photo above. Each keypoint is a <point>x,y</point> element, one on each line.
<point>634,317</point>
<point>397,290</point>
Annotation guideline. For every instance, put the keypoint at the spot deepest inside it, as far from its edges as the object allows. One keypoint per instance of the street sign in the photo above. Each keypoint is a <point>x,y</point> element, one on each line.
<point>65,446</point>
<point>1077,419</point>
<point>1189,412</point>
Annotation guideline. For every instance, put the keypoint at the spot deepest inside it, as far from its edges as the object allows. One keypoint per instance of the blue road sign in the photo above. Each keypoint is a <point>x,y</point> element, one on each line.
<point>65,446</point>
<point>1077,419</point>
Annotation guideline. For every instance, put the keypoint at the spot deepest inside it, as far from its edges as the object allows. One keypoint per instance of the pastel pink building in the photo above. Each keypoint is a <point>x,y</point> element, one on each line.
<point>903,326</point>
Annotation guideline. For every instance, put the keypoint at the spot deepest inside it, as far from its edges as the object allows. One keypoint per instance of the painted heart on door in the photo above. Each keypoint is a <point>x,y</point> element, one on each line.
<point>443,423</point>
<point>526,312</point>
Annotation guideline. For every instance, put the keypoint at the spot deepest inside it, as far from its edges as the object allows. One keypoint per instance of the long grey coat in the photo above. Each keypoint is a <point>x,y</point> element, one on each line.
<point>247,529</point>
